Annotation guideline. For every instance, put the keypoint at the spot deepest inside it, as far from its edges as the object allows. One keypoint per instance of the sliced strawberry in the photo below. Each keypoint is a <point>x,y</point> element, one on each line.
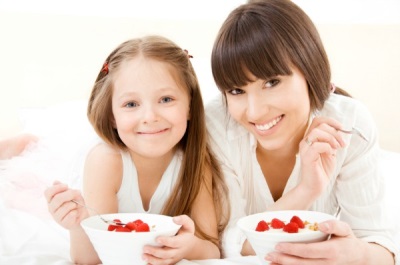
<point>276,223</point>
<point>138,222</point>
<point>122,229</point>
<point>298,221</point>
<point>262,226</point>
<point>131,225</point>
<point>112,227</point>
<point>291,227</point>
<point>143,227</point>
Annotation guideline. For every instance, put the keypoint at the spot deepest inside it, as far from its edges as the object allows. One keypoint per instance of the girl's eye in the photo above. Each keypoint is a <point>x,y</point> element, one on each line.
<point>235,91</point>
<point>166,99</point>
<point>131,104</point>
<point>271,83</point>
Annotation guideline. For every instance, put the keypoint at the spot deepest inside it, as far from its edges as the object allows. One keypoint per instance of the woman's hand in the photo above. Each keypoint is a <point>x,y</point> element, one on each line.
<point>342,248</point>
<point>65,212</point>
<point>318,153</point>
<point>173,248</point>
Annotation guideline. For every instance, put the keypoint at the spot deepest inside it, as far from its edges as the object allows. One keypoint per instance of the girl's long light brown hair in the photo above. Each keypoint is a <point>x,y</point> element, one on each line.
<point>197,158</point>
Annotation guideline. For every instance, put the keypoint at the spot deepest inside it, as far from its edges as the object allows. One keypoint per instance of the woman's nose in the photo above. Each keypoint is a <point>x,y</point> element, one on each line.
<point>256,106</point>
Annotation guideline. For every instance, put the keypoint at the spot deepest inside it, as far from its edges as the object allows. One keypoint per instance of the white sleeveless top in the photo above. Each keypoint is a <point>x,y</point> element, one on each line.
<point>129,200</point>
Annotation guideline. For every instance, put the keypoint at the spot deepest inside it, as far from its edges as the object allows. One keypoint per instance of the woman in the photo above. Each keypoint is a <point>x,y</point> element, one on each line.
<point>276,131</point>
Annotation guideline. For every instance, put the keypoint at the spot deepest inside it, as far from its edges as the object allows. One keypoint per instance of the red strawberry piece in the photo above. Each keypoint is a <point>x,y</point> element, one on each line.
<point>138,222</point>
<point>112,227</point>
<point>262,226</point>
<point>131,225</point>
<point>122,229</point>
<point>276,223</point>
<point>291,227</point>
<point>143,227</point>
<point>298,221</point>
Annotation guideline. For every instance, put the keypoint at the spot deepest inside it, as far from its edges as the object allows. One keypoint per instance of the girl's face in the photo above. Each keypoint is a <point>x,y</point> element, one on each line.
<point>150,108</point>
<point>275,111</point>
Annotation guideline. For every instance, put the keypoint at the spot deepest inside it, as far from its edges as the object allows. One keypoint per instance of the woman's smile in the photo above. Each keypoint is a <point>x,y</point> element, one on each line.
<point>267,126</point>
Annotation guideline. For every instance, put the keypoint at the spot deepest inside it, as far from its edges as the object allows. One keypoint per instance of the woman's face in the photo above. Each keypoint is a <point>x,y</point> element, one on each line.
<point>275,111</point>
<point>150,107</point>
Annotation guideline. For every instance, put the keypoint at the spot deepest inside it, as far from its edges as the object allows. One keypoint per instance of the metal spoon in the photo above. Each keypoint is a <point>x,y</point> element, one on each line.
<point>354,131</point>
<point>110,222</point>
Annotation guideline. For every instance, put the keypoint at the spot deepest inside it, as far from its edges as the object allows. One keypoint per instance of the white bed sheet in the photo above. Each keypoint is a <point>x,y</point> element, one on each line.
<point>28,235</point>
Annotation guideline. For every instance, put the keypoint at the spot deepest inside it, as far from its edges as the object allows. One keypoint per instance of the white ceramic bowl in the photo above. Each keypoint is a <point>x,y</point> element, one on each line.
<point>126,247</point>
<point>264,242</point>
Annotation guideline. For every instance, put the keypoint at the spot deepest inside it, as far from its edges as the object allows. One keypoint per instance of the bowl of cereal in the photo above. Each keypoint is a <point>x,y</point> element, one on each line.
<point>265,230</point>
<point>123,243</point>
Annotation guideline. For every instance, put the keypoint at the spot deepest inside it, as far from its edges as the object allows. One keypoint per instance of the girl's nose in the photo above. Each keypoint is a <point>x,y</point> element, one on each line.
<point>150,114</point>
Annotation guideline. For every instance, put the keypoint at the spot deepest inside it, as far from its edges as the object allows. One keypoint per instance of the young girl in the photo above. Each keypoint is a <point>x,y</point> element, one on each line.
<point>146,106</point>
<point>277,132</point>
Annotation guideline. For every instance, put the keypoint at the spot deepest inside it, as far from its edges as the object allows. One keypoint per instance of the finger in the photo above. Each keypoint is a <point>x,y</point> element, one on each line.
<point>63,210</point>
<point>318,250</point>
<point>279,258</point>
<point>186,222</point>
<point>57,188</point>
<point>61,198</point>
<point>290,251</point>
<point>318,149</point>
<point>158,255</point>
<point>336,228</point>
<point>317,121</point>
<point>329,125</point>
<point>328,135</point>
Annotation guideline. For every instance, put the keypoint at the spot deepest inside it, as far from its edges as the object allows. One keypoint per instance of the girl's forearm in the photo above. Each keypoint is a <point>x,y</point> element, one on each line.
<point>82,250</point>
<point>203,249</point>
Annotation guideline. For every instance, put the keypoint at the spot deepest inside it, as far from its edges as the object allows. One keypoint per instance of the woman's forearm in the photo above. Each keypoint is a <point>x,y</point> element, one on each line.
<point>377,254</point>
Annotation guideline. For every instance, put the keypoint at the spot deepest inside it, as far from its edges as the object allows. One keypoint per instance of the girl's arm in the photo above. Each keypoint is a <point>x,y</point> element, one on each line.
<point>100,186</point>
<point>188,243</point>
<point>205,216</point>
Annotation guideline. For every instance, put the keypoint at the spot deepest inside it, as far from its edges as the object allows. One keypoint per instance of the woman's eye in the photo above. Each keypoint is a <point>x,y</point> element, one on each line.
<point>131,104</point>
<point>235,91</point>
<point>271,83</point>
<point>166,99</point>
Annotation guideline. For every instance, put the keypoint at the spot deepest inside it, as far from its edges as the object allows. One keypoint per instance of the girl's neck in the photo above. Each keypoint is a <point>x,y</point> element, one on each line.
<point>149,173</point>
<point>149,166</point>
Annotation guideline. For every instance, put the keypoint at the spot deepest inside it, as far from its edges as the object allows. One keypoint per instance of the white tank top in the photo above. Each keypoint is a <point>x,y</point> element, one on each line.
<point>129,200</point>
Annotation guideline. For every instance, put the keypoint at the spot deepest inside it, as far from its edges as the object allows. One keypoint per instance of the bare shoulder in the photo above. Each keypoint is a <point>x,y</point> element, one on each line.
<point>103,151</point>
<point>103,167</point>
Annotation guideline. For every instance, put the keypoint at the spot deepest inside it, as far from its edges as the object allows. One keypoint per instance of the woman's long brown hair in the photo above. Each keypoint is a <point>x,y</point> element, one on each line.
<point>267,38</point>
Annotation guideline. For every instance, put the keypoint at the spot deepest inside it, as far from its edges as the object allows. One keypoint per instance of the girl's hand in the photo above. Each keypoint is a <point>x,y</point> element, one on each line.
<point>318,153</point>
<point>173,248</point>
<point>65,212</point>
<point>342,248</point>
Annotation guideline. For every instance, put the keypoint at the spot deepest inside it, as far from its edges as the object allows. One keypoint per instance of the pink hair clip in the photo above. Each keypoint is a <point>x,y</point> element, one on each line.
<point>188,55</point>
<point>105,68</point>
<point>333,87</point>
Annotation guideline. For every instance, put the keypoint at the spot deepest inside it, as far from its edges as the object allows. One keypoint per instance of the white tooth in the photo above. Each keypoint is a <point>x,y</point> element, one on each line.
<point>268,125</point>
